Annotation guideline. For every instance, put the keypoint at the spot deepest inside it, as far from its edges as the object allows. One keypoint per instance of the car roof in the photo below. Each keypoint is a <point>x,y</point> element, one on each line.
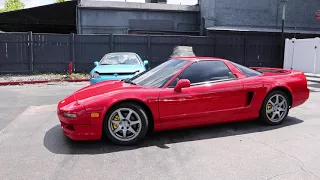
<point>199,58</point>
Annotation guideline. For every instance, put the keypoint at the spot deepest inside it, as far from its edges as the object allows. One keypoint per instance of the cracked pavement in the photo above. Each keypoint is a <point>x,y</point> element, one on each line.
<point>32,145</point>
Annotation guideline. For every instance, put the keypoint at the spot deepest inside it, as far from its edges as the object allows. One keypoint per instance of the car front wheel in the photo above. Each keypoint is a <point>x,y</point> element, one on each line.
<point>275,108</point>
<point>126,124</point>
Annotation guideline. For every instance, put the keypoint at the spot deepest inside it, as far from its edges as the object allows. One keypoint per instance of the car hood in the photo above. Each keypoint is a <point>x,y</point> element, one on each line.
<point>102,88</point>
<point>120,68</point>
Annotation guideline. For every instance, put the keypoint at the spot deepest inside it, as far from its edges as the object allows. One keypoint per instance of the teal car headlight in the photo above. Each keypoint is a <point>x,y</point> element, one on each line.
<point>95,75</point>
<point>136,73</point>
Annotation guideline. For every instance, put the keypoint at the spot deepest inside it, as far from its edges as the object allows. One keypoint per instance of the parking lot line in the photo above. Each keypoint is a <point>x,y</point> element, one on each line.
<point>13,121</point>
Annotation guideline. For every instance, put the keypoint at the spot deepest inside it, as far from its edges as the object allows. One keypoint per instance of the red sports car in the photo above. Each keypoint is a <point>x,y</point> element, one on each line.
<point>181,92</point>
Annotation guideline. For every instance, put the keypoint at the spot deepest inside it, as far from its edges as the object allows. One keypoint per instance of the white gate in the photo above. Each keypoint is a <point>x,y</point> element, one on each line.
<point>302,54</point>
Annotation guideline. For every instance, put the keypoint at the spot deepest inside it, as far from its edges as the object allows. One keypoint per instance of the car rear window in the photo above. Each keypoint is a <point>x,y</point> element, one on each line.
<point>246,71</point>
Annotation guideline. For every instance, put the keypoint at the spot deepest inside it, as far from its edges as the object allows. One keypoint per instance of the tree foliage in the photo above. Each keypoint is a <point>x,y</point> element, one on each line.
<point>59,1</point>
<point>12,5</point>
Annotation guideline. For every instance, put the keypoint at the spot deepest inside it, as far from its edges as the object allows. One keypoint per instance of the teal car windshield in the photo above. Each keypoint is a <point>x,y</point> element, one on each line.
<point>160,75</point>
<point>114,59</point>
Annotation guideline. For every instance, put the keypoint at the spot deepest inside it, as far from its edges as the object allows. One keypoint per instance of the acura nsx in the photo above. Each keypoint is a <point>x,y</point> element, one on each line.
<point>179,93</point>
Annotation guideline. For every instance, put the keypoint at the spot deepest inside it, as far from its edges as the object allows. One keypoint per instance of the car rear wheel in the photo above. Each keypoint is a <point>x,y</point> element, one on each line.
<point>126,124</point>
<point>275,108</point>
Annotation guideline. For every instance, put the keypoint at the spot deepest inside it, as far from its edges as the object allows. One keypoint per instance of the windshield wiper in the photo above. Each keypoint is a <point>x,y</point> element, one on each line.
<point>128,81</point>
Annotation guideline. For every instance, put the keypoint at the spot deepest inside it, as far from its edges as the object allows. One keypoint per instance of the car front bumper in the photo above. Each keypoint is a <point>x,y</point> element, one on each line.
<point>105,78</point>
<point>81,127</point>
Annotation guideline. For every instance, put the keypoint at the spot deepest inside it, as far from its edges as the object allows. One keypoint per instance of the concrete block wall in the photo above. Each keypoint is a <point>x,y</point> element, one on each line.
<point>300,14</point>
<point>103,17</point>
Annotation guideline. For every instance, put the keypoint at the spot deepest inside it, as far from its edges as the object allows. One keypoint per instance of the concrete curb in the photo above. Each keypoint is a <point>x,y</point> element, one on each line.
<point>312,75</point>
<point>313,79</point>
<point>41,81</point>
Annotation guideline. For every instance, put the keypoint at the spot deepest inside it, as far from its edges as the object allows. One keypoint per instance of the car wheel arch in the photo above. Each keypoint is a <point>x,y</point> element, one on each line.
<point>138,102</point>
<point>284,89</point>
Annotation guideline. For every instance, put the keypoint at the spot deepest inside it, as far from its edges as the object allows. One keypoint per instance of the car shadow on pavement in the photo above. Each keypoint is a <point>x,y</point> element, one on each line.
<point>56,142</point>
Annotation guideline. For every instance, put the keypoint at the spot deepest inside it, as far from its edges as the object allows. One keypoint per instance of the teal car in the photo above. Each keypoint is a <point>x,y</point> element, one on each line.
<point>117,66</point>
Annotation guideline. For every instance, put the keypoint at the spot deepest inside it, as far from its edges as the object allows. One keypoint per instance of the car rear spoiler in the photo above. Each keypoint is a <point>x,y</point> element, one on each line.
<point>271,70</point>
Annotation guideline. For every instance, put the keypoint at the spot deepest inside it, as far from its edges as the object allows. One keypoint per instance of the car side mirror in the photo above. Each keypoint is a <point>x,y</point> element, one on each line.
<point>96,63</point>
<point>145,62</point>
<point>182,83</point>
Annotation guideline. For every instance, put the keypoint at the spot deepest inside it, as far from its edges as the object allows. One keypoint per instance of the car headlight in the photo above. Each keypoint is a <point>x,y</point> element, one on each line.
<point>70,115</point>
<point>136,73</point>
<point>95,75</point>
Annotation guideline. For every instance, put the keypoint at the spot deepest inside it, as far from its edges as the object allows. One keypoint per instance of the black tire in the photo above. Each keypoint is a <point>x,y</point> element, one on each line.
<point>144,123</point>
<point>263,117</point>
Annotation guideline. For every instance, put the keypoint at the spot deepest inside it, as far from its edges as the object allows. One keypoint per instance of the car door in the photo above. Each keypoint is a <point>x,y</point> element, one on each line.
<point>214,93</point>
<point>253,86</point>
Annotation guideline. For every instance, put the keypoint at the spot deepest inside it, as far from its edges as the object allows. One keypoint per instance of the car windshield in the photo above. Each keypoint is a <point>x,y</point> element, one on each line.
<point>113,59</point>
<point>160,75</point>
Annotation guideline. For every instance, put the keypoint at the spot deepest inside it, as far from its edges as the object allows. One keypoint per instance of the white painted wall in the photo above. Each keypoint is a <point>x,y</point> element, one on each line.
<point>303,54</point>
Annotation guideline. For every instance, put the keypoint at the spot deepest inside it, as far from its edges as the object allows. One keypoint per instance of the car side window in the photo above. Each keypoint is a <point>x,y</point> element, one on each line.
<point>205,71</point>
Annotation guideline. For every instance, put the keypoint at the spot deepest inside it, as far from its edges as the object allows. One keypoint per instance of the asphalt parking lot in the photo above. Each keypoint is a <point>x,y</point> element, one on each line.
<point>32,145</point>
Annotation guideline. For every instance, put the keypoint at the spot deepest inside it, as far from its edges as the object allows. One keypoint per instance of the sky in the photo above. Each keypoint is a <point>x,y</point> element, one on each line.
<point>34,3</point>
